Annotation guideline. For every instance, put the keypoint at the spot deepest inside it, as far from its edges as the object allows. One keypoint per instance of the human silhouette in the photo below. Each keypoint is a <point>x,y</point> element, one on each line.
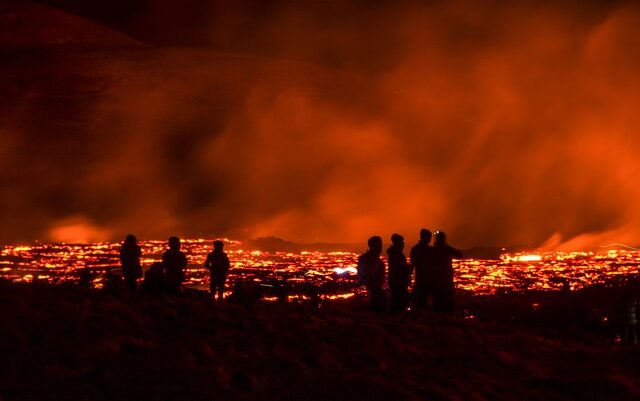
<point>86,277</point>
<point>113,283</point>
<point>631,302</point>
<point>174,262</point>
<point>154,282</point>
<point>443,255</point>
<point>422,262</point>
<point>399,274</point>
<point>130,254</point>
<point>238,293</point>
<point>218,265</point>
<point>245,293</point>
<point>371,273</point>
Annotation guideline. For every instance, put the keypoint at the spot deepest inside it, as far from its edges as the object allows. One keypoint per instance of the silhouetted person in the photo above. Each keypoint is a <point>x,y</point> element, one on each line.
<point>130,254</point>
<point>174,262</point>
<point>443,255</point>
<point>154,282</point>
<point>631,302</point>
<point>86,277</point>
<point>113,283</point>
<point>422,262</point>
<point>313,293</point>
<point>239,293</point>
<point>371,273</point>
<point>282,289</point>
<point>399,274</point>
<point>218,265</point>
<point>245,293</point>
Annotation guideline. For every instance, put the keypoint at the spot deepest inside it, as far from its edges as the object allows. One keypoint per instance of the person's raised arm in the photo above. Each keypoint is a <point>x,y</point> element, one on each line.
<point>456,254</point>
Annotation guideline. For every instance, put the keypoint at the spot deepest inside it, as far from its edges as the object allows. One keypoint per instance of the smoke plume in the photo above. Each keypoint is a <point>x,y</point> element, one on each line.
<point>498,123</point>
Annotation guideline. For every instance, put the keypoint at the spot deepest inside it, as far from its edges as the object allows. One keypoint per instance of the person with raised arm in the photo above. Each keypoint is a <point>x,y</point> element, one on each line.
<point>443,255</point>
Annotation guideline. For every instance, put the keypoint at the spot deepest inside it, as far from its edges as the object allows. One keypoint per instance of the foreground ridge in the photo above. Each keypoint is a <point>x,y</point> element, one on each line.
<point>81,344</point>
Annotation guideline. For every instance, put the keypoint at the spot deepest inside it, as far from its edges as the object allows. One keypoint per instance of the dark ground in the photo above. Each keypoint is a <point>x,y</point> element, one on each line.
<point>69,343</point>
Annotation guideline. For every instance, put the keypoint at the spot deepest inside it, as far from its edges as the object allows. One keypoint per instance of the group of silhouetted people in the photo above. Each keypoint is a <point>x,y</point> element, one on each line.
<point>433,283</point>
<point>433,267</point>
<point>167,276</point>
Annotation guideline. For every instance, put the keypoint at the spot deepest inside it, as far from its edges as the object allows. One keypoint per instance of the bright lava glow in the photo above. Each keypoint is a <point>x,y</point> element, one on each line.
<point>522,258</point>
<point>343,270</point>
<point>330,274</point>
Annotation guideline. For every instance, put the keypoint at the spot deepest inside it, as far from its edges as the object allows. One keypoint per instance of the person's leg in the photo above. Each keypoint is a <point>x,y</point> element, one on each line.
<point>394,305</point>
<point>380,300</point>
<point>442,301</point>
<point>420,297</point>
<point>404,300</point>
<point>212,286</point>
<point>374,300</point>
<point>132,285</point>
<point>430,297</point>
<point>399,299</point>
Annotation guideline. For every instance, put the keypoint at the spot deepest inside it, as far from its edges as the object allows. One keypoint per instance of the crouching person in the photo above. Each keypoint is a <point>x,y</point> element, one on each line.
<point>154,282</point>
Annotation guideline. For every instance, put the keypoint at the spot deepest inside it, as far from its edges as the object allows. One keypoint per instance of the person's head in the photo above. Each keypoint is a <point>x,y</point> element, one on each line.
<point>218,245</point>
<point>425,235</point>
<point>131,239</point>
<point>440,237</point>
<point>375,244</point>
<point>174,243</point>
<point>397,240</point>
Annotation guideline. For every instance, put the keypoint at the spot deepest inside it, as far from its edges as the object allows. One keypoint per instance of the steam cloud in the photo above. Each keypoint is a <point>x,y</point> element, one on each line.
<point>500,124</point>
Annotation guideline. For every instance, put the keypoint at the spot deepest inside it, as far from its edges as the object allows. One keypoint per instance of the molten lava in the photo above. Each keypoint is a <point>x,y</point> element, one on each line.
<point>331,273</point>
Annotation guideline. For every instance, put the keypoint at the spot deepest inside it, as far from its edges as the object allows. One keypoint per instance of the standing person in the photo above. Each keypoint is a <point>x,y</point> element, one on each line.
<point>218,265</point>
<point>371,273</point>
<point>422,262</point>
<point>399,274</point>
<point>130,254</point>
<point>174,262</point>
<point>443,255</point>
<point>631,319</point>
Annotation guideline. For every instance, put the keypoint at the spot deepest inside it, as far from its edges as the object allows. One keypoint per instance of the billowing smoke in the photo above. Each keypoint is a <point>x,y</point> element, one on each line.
<point>500,124</point>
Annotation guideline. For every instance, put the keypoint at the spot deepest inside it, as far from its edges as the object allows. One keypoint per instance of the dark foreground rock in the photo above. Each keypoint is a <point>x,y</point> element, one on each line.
<point>71,344</point>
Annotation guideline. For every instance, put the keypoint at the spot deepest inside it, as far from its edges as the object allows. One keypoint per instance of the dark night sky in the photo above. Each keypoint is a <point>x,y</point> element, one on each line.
<point>330,121</point>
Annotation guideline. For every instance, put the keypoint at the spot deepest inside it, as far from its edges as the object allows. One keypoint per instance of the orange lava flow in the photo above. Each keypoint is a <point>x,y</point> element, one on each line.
<point>332,273</point>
